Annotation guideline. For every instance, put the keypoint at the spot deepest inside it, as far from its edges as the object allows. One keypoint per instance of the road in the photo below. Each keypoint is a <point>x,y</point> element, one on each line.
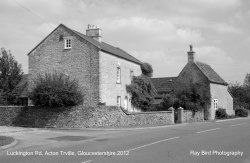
<point>223,142</point>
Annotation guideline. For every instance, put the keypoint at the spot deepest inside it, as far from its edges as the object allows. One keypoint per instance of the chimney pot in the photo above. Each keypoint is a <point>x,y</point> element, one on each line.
<point>191,54</point>
<point>94,32</point>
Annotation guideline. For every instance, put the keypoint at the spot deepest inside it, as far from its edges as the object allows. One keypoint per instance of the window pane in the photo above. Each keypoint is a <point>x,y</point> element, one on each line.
<point>118,101</point>
<point>118,75</point>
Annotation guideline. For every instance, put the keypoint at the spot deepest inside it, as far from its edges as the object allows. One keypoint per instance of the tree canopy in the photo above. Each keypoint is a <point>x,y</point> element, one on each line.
<point>147,69</point>
<point>241,95</point>
<point>10,75</point>
<point>141,89</point>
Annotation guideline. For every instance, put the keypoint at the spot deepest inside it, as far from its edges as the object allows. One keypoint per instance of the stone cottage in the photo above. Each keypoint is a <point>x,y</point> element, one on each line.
<point>198,72</point>
<point>103,71</point>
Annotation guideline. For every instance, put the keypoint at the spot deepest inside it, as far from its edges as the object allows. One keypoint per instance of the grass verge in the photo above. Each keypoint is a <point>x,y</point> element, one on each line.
<point>4,140</point>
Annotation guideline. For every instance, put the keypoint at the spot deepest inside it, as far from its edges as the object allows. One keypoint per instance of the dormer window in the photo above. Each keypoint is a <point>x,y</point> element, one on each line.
<point>67,43</point>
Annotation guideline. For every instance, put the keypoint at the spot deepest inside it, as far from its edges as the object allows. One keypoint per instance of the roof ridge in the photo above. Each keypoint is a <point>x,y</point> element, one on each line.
<point>116,51</point>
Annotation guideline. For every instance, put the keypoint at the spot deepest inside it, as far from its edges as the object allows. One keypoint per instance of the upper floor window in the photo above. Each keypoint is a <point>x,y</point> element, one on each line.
<point>118,80</point>
<point>67,43</point>
<point>131,74</point>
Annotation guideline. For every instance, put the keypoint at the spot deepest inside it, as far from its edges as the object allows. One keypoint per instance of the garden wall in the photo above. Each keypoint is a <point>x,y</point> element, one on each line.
<point>188,116</point>
<point>81,117</point>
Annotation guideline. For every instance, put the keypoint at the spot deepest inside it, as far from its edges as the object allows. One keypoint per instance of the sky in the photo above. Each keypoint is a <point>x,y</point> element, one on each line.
<point>158,32</point>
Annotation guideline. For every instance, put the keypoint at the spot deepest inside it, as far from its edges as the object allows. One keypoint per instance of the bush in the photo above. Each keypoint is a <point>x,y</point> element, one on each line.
<point>241,95</point>
<point>221,113</point>
<point>55,90</point>
<point>142,92</point>
<point>192,96</point>
<point>241,112</point>
<point>147,69</point>
<point>167,102</point>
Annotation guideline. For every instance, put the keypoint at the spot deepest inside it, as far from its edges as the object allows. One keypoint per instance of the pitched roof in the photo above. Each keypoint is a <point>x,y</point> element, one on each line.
<point>21,90</point>
<point>165,84</point>
<point>101,45</point>
<point>210,73</point>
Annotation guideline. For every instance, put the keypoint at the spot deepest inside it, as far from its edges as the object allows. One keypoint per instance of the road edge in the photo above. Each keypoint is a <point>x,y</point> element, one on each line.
<point>12,144</point>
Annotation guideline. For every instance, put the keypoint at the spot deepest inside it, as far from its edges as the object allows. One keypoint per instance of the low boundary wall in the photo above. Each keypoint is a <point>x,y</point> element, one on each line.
<point>81,117</point>
<point>189,116</point>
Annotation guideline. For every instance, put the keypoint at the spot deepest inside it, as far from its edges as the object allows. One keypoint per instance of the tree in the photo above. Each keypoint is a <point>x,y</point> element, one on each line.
<point>141,89</point>
<point>10,75</point>
<point>55,90</point>
<point>192,96</point>
<point>241,95</point>
<point>147,69</point>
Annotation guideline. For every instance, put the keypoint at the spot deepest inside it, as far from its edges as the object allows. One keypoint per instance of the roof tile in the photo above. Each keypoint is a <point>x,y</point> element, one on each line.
<point>210,73</point>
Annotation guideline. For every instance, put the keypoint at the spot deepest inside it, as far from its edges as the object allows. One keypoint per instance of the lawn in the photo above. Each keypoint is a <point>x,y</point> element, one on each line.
<point>4,140</point>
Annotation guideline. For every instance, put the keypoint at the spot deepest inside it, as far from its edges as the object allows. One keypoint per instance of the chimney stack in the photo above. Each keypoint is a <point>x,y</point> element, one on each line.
<point>191,54</point>
<point>95,32</point>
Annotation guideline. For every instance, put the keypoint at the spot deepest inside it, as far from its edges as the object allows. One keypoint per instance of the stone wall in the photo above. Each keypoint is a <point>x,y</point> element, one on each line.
<point>81,117</point>
<point>109,88</point>
<point>188,116</point>
<point>225,100</point>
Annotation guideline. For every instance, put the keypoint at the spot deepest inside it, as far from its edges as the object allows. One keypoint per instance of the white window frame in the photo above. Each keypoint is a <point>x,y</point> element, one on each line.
<point>215,104</point>
<point>126,103</point>
<point>118,100</point>
<point>118,74</point>
<point>67,43</point>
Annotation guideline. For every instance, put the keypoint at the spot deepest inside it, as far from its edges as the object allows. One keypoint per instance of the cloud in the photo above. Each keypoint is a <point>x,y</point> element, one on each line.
<point>136,33</point>
<point>190,35</point>
<point>213,55</point>
<point>155,32</point>
<point>45,28</point>
<point>164,63</point>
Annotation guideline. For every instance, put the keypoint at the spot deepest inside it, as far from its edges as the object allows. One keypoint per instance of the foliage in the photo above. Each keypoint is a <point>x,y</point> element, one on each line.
<point>167,102</point>
<point>241,95</point>
<point>241,112</point>
<point>147,69</point>
<point>192,96</point>
<point>221,113</point>
<point>55,90</point>
<point>141,89</point>
<point>142,92</point>
<point>10,76</point>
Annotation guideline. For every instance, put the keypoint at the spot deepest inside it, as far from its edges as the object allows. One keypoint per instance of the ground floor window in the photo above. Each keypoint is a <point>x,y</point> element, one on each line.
<point>215,104</point>
<point>119,101</point>
<point>126,103</point>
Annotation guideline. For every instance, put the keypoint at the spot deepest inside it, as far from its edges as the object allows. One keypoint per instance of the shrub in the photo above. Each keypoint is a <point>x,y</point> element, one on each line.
<point>241,112</point>
<point>221,113</point>
<point>167,102</point>
<point>192,96</point>
<point>241,95</point>
<point>147,69</point>
<point>142,92</point>
<point>55,90</point>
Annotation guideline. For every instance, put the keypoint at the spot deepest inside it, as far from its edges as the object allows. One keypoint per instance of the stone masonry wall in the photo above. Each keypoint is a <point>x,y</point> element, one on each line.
<point>225,100</point>
<point>81,117</point>
<point>189,117</point>
<point>109,88</point>
<point>81,62</point>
